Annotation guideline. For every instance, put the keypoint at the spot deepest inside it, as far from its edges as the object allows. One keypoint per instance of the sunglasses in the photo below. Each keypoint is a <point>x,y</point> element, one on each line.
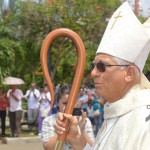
<point>101,66</point>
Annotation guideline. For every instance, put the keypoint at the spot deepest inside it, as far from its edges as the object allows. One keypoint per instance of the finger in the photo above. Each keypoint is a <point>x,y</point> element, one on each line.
<point>59,120</point>
<point>84,114</point>
<point>60,116</point>
<point>72,119</point>
<point>59,125</point>
<point>59,129</point>
<point>83,121</point>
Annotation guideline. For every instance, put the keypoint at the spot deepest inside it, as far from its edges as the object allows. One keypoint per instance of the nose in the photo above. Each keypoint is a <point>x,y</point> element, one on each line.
<point>94,72</point>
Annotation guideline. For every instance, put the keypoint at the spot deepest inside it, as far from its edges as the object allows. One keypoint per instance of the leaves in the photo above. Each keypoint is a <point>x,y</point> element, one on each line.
<point>24,28</point>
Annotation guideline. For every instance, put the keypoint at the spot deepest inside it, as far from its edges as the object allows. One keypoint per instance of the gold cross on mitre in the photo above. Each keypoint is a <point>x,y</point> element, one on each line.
<point>116,17</point>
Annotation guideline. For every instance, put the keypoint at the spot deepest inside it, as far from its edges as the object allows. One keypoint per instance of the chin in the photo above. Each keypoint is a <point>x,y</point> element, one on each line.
<point>98,93</point>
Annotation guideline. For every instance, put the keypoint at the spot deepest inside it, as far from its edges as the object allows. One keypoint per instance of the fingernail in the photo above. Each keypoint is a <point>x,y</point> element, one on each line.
<point>64,129</point>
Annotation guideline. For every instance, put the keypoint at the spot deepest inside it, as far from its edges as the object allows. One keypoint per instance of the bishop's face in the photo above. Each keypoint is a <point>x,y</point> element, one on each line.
<point>109,81</point>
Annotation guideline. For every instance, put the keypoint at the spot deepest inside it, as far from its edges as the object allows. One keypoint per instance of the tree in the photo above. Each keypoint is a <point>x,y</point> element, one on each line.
<point>9,49</point>
<point>30,23</point>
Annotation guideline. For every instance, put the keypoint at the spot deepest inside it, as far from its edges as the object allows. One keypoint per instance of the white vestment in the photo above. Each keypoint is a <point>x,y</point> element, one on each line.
<point>127,123</point>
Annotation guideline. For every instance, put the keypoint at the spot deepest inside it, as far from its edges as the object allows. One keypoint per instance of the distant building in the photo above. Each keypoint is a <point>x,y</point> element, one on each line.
<point>140,7</point>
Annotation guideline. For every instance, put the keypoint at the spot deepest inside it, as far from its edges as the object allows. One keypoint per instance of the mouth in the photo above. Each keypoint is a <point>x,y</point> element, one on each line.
<point>97,84</point>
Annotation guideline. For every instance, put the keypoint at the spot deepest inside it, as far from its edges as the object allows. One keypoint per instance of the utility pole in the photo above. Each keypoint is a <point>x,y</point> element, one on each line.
<point>136,7</point>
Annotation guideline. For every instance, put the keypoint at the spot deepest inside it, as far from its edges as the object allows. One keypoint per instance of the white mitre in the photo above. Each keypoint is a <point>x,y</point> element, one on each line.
<point>126,38</point>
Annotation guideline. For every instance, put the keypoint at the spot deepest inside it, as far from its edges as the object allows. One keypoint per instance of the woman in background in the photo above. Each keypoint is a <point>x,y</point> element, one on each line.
<point>3,107</point>
<point>44,109</point>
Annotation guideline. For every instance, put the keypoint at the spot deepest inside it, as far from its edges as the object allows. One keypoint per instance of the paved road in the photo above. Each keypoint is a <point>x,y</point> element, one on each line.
<point>22,146</point>
<point>37,145</point>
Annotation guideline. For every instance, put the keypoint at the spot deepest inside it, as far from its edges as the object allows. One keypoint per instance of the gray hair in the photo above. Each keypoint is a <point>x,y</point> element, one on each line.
<point>120,61</point>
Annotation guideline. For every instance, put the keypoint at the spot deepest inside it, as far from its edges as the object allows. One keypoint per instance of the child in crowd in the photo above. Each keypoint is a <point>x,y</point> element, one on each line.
<point>49,136</point>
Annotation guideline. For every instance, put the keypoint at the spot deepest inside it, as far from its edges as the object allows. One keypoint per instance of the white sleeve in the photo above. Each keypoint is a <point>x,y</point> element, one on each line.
<point>87,147</point>
<point>21,95</point>
<point>48,95</point>
<point>27,93</point>
<point>37,93</point>
<point>8,93</point>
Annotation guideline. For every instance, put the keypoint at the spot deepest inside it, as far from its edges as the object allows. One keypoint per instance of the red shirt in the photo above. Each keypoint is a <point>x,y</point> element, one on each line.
<point>3,102</point>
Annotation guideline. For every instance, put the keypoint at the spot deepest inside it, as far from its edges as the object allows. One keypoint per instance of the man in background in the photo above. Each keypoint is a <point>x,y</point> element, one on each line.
<point>32,96</point>
<point>15,96</point>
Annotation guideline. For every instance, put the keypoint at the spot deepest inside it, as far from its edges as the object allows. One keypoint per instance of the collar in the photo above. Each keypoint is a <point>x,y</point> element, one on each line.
<point>137,96</point>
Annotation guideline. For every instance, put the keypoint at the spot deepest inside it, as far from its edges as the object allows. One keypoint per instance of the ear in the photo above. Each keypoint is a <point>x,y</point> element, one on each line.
<point>130,74</point>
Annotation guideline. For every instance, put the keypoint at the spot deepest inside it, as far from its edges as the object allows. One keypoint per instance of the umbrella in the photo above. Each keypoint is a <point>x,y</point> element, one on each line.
<point>13,81</point>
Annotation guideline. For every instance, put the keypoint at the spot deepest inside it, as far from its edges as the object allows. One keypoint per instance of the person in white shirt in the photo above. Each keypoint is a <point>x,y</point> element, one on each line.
<point>44,110</point>
<point>15,110</point>
<point>83,98</point>
<point>32,96</point>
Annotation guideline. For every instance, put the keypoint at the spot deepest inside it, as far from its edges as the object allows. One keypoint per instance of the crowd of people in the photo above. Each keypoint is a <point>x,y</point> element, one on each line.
<point>38,107</point>
<point>11,105</point>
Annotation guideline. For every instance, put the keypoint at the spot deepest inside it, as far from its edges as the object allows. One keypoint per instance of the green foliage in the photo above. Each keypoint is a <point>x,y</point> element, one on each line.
<point>28,23</point>
<point>8,49</point>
